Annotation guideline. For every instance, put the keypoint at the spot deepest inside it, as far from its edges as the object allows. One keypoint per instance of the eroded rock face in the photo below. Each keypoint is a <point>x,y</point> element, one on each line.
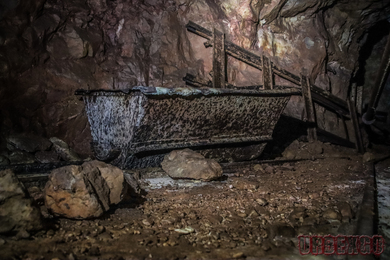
<point>187,164</point>
<point>116,44</point>
<point>17,212</point>
<point>85,191</point>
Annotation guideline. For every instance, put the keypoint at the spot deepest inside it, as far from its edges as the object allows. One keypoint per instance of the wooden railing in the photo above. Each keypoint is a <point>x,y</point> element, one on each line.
<point>310,92</point>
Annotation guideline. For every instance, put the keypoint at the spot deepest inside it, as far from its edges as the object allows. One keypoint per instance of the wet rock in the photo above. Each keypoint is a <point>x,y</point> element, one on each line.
<point>19,157</point>
<point>187,164</point>
<point>17,212</point>
<point>29,143</point>
<point>47,157</point>
<point>63,150</point>
<point>84,191</point>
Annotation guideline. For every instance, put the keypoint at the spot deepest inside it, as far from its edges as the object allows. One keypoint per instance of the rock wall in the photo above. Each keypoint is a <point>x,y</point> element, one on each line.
<point>50,48</point>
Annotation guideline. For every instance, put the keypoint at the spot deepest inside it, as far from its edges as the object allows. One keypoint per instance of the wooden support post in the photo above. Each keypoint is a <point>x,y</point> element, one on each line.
<point>268,82</point>
<point>355,121</point>
<point>310,113</point>
<point>219,59</point>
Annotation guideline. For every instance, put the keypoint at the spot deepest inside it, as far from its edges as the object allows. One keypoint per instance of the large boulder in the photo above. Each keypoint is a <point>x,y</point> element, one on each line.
<point>84,191</point>
<point>17,212</point>
<point>187,164</point>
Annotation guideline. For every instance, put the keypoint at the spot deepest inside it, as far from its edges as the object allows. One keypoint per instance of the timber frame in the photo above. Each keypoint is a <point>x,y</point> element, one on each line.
<point>310,92</point>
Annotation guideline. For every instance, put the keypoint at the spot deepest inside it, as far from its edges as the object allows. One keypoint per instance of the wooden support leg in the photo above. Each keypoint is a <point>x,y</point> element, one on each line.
<point>268,82</point>
<point>310,113</point>
<point>355,121</point>
<point>219,59</point>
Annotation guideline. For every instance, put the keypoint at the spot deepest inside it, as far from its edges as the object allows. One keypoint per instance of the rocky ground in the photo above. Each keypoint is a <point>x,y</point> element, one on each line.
<point>253,211</point>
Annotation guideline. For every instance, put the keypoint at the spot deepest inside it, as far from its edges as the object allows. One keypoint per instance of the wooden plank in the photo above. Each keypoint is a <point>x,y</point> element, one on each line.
<point>219,59</point>
<point>355,122</point>
<point>309,108</point>
<point>268,82</point>
<point>230,48</point>
<point>243,55</point>
<point>286,74</point>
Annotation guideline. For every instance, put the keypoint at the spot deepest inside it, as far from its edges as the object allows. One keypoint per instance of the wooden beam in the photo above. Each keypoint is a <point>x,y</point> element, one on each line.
<point>219,59</point>
<point>355,121</point>
<point>309,108</point>
<point>268,81</point>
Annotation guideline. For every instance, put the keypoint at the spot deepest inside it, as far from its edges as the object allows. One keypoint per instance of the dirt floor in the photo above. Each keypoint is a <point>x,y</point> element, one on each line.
<point>255,211</point>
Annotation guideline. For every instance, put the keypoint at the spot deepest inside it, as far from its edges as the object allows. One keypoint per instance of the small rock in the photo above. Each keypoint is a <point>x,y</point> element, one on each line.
<point>289,155</point>
<point>105,237</point>
<point>186,230</point>
<point>244,184</point>
<point>297,214</point>
<point>269,169</point>
<point>262,201</point>
<point>368,157</point>
<point>187,164</point>
<point>2,241</point>
<point>63,150</point>
<point>345,210</point>
<point>315,148</point>
<point>331,214</point>
<point>238,255</point>
<point>22,234</point>
<point>258,168</point>
<point>147,222</point>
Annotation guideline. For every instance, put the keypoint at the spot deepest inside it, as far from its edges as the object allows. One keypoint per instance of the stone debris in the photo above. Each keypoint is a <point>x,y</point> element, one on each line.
<point>18,213</point>
<point>85,191</point>
<point>187,164</point>
<point>29,143</point>
<point>255,214</point>
<point>28,149</point>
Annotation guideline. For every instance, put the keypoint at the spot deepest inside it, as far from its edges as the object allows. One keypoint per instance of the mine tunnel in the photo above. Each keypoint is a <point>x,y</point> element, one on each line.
<point>178,129</point>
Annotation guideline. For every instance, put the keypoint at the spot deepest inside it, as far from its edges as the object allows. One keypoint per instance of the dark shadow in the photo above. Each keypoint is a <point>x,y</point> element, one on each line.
<point>286,131</point>
<point>375,35</point>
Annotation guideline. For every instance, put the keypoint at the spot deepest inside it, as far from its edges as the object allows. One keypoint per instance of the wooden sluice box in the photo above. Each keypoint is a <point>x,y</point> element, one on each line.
<point>134,128</point>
